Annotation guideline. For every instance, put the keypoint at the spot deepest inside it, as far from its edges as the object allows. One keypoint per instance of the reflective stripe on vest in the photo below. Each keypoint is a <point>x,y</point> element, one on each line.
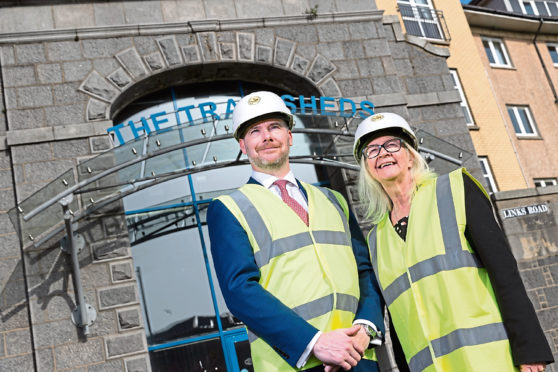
<point>269,248</point>
<point>454,258</point>
<point>319,307</point>
<point>455,340</point>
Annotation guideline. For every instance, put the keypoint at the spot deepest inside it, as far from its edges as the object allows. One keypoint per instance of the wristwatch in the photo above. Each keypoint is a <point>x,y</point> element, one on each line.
<point>375,336</point>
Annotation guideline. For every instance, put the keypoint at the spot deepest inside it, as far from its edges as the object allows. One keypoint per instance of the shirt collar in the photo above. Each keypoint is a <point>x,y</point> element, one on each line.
<point>267,179</point>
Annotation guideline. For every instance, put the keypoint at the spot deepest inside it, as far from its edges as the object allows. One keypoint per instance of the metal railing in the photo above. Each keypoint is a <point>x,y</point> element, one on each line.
<point>423,21</point>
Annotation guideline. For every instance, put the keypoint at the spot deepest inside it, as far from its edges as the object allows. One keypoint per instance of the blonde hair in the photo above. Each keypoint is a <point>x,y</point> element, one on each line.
<point>373,194</point>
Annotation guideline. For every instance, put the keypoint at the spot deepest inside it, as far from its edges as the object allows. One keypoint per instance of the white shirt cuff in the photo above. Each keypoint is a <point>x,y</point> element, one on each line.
<point>376,341</point>
<point>306,355</point>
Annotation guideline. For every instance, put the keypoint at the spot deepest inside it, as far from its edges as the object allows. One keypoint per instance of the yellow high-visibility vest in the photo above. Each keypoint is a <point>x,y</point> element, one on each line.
<point>311,269</point>
<point>439,296</point>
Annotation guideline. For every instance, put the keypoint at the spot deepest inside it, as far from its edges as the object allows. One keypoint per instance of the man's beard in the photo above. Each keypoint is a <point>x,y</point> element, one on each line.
<point>270,165</point>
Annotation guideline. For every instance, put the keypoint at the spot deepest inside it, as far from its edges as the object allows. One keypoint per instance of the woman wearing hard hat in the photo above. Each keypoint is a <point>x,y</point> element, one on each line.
<point>448,277</point>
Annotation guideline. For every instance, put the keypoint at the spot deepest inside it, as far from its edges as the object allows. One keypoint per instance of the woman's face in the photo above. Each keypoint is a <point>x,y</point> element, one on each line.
<point>388,166</point>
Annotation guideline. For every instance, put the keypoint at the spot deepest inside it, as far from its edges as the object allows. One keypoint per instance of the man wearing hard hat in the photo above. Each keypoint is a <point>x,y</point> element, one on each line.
<point>290,258</point>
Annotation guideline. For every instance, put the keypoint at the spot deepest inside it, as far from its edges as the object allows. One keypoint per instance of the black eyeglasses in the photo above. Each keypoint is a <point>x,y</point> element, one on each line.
<point>391,145</point>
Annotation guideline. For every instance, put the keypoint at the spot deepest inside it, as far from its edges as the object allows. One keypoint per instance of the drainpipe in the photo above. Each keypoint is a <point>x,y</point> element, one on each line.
<point>542,62</point>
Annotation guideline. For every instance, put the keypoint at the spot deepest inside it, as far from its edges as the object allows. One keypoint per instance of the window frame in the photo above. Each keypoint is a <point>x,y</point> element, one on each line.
<point>419,19</point>
<point>555,46</point>
<point>545,182</point>
<point>488,174</point>
<point>521,124</point>
<point>491,41</point>
<point>464,102</point>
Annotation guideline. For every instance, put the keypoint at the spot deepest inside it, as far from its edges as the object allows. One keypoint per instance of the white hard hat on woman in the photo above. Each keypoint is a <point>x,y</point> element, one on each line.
<point>386,123</point>
<point>258,106</point>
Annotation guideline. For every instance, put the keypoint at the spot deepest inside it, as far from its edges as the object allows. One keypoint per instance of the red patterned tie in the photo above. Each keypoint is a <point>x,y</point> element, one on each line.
<point>295,206</point>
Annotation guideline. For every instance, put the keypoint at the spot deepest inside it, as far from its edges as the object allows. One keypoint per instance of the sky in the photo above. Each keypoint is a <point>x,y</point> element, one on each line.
<point>465,1</point>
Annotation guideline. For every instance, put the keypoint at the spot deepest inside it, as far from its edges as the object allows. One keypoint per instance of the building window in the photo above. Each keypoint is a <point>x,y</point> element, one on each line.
<point>543,182</point>
<point>541,8</point>
<point>463,103</point>
<point>421,19</point>
<point>496,52</point>
<point>553,50</point>
<point>487,173</point>
<point>522,121</point>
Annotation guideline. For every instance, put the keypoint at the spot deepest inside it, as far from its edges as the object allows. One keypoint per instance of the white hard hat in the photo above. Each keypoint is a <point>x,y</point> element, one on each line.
<point>259,105</point>
<point>382,124</point>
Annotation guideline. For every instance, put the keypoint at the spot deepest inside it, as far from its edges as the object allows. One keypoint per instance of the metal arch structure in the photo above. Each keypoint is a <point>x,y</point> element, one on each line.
<point>35,218</point>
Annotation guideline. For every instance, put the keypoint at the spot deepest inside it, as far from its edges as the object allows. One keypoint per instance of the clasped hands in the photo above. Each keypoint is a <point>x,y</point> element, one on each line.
<point>342,348</point>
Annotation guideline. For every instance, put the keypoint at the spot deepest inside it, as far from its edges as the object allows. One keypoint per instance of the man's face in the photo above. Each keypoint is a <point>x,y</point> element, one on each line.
<point>266,143</point>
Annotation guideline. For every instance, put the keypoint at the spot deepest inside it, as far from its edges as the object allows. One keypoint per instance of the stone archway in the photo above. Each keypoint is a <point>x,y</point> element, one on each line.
<point>205,55</point>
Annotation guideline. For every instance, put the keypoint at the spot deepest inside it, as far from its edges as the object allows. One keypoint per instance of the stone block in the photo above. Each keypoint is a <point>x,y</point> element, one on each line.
<point>376,48</point>
<point>110,366</point>
<point>18,342</point>
<point>79,354</point>
<point>66,115</point>
<point>132,62</point>
<point>353,49</point>
<point>7,55</point>
<point>7,199</point>
<point>120,78</point>
<point>154,61</point>
<point>386,85</point>
<point>129,319</point>
<point>363,30</point>
<point>284,50</point>
<point>70,149</point>
<point>55,333</point>
<point>320,68</point>
<point>548,318</point>
<point>300,64</point>
<point>263,54</point>
<point>10,95</point>
<point>169,50</point>
<point>227,51</point>
<point>99,143</point>
<point>26,119</point>
<point>140,364</point>
<point>301,34</point>
<point>96,110</point>
<point>63,51</point>
<point>49,73</point>
<point>65,94</point>
<point>333,32</point>
<point>533,279</point>
<point>138,12</point>
<point>45,360</point>
<point>31,153</point>
<point>35,96</point>
<point>330,88</point>
<point>125,344</point>
<point>121,271</point>
<point>355,87</point>
<point>9,245</point>
<point>191,54</point>
<point>76,70</point>
<point>105,66</point>
<point>107,14</point>
<point>332,51</point>
<point>96,86</point>
<point>208,44</point>
<point>110,249</point>
<point>117,296</point>
<point>29,53</point>
<point>17,364</point>
<point>46,171</point>
<point>73,16</point>
<point>552,296</point>
<point>2,346</point>
<point>220,9</point>
<point>178,11</point>
<point>371,67</point>
<point>19,76</point>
